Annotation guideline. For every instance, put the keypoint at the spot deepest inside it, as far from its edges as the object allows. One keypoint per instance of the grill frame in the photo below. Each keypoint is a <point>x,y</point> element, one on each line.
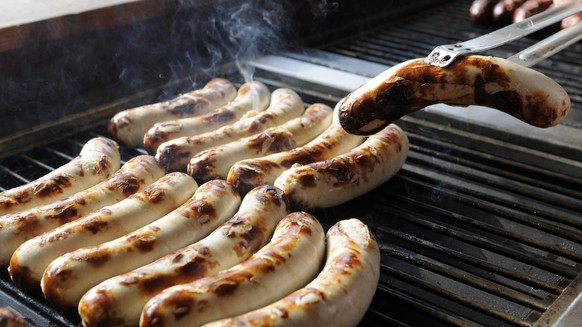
<point>440,220</point>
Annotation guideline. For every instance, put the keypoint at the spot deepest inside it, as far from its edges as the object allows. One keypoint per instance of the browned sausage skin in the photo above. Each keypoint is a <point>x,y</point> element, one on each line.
<point>130,125</point>
<point>339,296</point>
<point>473,80</point>
<point>119,301</point>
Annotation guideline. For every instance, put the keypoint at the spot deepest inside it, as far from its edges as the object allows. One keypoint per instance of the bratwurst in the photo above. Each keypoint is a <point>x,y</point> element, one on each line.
<point>473,80</point>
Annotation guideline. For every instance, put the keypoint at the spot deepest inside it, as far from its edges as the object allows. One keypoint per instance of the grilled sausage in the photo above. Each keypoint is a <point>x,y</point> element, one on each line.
<point>481,11</point>
<point>287,263</point>
<point>17,228</point>
<point>32,257</point>
<point>175,154</point>
<point>250,173</point>
<point>332,182</point>
<point>119,301</point>
<point>98,159</point>
<point>503,11</point>
<point>129,126</point>
<point>215,162</point>
<point>250,96</point>
<point>68,277</point>
<point>338,296</point>
<point>489,81</point>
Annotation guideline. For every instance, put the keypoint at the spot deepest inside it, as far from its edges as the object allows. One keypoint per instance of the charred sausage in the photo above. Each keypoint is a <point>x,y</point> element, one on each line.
<point>68,277</point>
<point>175,154</point>
<point>250,173</point>
<point>287,263</point>
<point>253,96</point>
<point>216,161</point>
<point>119,301</point>
<point>17,228</point>
<point>332,182</point>
<point>338,296</point>
<point>98,159</point>
<point>488,81</point>
<point>129,126</point>
<point>32,257</point>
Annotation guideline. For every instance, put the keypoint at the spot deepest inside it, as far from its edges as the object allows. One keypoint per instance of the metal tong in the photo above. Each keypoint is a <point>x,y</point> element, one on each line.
<point>443,55</point>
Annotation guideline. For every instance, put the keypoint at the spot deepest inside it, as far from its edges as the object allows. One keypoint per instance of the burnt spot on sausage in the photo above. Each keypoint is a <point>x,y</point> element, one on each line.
<point>95,225</point>
<point>252,240</point>
<point>220,116</point>
<point>126,183</point>
<point>173,153</point>
<point>101,308</point>
<point>65,213</point>
<point>22,277</point>
<point>7,202</point>
<point>97,257</point>
<point>152,194</point>
<point>28,224</point>
<point>225,289</point>
<point>202,166</point>
<point>144,242</point>
<point>269,193</point>
<point>103,167</point>
<point>186,106</point>
<point>201,209</point>
<point>272,141</point>
<point>50,187</point>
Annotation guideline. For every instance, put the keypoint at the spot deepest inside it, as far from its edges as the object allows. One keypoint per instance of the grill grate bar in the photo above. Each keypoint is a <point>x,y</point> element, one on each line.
<point>556,249</point>
<point>519,255</point>
<point>455,297</point>
<point>464,277</point>
<point>38,162</point>
<point>457,259</point>
<point>508,213</point>
<point>59,153</point>
<point>502,183</point>
<point>513,170</point>
<point>421,307</point>
<point>13,174</point>
<point>509,200</point>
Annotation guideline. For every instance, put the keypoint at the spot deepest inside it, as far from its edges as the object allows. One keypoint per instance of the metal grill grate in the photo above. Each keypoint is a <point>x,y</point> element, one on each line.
<point>474,230</point>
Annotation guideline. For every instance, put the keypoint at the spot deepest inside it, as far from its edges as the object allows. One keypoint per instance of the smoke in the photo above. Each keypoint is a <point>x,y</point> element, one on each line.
<point>239,31</point>
<point>244,30</point>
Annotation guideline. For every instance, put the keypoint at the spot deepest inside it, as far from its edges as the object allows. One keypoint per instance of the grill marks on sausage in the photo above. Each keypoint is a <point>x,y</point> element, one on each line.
<point>189,267</point>
<point>102,299</point>
<point>418,85</point>
<point>127,183</point>
<point>47,188</point>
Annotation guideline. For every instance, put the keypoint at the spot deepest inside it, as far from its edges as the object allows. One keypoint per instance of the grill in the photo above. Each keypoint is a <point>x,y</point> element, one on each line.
<point>482,226</point>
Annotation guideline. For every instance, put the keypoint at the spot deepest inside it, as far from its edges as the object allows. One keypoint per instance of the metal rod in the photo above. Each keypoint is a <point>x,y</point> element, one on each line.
<point>548,46</point>
<point>444,55</point>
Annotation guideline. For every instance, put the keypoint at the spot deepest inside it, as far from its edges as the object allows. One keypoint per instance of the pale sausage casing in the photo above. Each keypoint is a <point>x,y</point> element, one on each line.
<point>175,154</point>
<point>252,96</point>
<point>287,263</point>
<point>98,159</point>
<point>17,228</point>
<point>332,182</point>
<point>338,296</point>
<point>129,126</point>
<point>216,161</point>
<point>119,300</point>
<point>156,200</point>
<point>473,80</point>
<point>68,277</point>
